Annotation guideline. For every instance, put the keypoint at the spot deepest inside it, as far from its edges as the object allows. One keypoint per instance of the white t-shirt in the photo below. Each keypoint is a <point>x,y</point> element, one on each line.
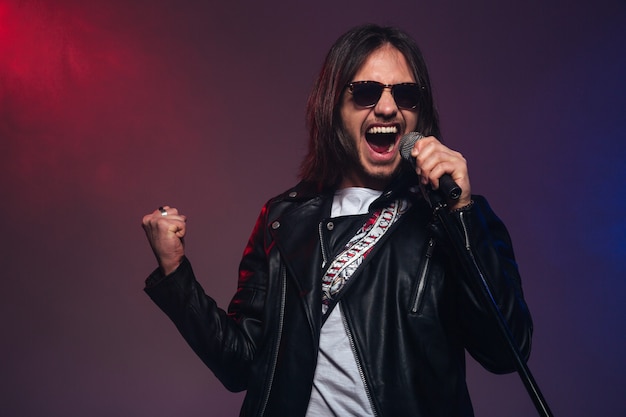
<point>338,389</point>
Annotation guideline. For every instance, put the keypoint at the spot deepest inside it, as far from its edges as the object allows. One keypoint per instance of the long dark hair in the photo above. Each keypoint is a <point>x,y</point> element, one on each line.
<point>330,148</point>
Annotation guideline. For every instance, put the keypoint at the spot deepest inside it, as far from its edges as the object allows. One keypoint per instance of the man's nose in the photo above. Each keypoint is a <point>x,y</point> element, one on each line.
<point>386,104</point>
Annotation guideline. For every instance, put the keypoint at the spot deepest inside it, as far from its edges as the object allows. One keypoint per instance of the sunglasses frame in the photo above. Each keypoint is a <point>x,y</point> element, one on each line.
<point>391,87</point>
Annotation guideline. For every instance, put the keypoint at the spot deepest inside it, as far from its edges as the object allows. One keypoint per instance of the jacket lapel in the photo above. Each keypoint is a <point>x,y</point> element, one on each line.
<point>296,234</point>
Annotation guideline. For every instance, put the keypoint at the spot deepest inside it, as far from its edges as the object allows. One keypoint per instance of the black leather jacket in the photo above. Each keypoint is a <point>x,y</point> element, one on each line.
<point>410,312</point>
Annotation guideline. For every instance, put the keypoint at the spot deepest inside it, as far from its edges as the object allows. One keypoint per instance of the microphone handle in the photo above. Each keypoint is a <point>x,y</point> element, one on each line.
<point>449,188</point>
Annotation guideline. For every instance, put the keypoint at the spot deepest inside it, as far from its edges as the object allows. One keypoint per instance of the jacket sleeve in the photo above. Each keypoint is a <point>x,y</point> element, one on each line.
<point>225,341</point>
<point>492,250</point>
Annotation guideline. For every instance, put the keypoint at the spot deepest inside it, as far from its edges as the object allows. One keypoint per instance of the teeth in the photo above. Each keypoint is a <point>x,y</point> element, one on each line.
<point>383,129</point>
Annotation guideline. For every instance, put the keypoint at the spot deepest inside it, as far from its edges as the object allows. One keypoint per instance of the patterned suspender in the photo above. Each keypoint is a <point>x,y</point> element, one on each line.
<point>347,262</point>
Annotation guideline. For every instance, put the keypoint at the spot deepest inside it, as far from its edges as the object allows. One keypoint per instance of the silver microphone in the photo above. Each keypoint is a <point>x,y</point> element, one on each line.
<point>447,186</point>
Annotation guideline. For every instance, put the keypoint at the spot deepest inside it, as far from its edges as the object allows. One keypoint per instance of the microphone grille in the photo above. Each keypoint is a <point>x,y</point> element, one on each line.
<point>406,144</point>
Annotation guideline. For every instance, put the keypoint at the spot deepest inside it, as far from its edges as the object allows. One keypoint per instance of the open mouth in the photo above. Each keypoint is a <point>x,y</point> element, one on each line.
<point>382,139</point>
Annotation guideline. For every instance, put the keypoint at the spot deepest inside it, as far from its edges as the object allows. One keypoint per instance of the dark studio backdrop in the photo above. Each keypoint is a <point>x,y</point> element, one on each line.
<point>109,109</point>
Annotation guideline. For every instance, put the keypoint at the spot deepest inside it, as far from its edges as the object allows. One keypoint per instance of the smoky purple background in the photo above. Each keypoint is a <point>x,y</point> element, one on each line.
<point>109,109</point>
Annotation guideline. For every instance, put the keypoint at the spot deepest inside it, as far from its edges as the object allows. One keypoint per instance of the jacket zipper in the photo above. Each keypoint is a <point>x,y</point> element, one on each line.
<point>358,364</point>
<point>422,277</point>
<point>278,339</point>
<point>465,231</point>
<point>319,230</point>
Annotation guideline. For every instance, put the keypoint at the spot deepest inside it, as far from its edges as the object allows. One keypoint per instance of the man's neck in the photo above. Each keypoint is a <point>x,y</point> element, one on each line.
<point>379,184</point>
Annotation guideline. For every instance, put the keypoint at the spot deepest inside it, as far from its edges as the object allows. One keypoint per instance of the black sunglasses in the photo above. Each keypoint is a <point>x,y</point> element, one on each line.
<point>367,93</point>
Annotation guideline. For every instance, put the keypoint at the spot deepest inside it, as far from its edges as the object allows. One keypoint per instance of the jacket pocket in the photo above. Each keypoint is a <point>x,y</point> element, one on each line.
<point>417,300</point>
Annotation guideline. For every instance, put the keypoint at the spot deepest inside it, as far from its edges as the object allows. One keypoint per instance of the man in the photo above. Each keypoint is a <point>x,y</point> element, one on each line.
<point>350,301</point>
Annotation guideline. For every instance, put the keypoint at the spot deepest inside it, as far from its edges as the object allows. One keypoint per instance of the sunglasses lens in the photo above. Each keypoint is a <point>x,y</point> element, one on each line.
<point>407,96</point>
<point>366,94</point>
